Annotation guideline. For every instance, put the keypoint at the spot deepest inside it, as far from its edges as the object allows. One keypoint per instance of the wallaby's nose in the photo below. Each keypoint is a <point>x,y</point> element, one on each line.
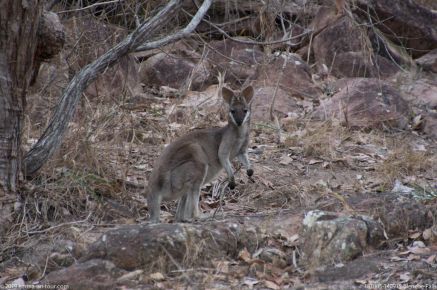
<point>239,122</point>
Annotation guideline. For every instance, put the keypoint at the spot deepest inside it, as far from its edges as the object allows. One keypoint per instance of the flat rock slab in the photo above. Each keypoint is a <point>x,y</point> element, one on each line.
<point>137,246</point>
<point>93,274</point>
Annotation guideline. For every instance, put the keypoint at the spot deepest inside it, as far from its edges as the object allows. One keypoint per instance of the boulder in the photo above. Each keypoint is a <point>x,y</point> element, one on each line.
<point>176,71</point>
<point>358,64</point>
<point>120,80</point>
<point>287,76</point>
<point>284,103</point>
<point>428,62</point>
<point>332,238</point>
<point>365,103</point>
<point>421,92</point>
<point>399,213</point>
<point>344,47</point>
<point>51,36</point>
<point>430,125</point>
<point>238,60</point>
<point>291,73</point>
<point>407,23</point>
<point>50,41</point>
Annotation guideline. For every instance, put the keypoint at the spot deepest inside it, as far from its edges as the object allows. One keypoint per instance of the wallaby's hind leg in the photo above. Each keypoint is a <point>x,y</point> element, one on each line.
<point>188,206</point>
<point>196,197</point>
<point>195,190</point>
<point>185,209</point>
<point>183,204</point>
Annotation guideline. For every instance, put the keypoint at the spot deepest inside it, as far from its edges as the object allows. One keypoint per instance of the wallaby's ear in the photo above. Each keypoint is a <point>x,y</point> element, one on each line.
<point>227,94</point>
<point>248,94</point>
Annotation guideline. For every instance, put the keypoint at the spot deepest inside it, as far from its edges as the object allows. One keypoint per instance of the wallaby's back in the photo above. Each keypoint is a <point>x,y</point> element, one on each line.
<point>182,151</point>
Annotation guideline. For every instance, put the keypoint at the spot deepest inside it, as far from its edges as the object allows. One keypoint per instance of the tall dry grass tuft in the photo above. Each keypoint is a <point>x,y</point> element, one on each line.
<point>403,161</point>
<point>320,139</point>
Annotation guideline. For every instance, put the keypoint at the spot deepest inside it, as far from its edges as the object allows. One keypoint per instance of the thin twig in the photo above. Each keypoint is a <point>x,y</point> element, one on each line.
<point>273,116</point>
<point>58,226</point>
<point>45,268</point>
<point>91,6</point>
<point>172,259</point>
<point>256,42</point>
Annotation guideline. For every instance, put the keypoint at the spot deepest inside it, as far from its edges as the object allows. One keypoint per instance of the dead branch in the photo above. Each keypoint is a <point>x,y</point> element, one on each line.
<point>181,33</point>
<point>53,134</point>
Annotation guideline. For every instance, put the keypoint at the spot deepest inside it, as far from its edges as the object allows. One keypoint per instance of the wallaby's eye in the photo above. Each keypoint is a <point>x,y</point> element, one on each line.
<point>232,111</point>
<point>245,110</point>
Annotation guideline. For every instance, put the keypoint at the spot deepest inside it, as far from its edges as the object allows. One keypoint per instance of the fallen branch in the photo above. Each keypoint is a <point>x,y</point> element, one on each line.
<point>57,226</point>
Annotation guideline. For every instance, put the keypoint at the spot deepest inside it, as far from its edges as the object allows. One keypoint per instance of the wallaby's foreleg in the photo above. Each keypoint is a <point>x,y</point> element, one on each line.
<point>224,160</point>
<point>154,205</point>
<point>244,159</point>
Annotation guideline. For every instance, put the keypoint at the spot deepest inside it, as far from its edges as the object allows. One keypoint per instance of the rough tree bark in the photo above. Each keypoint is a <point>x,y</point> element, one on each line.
<point>18,35</point>
<point>52,136</point>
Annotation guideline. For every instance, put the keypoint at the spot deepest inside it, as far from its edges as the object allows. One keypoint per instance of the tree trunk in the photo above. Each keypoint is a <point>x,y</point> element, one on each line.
<point>18,27</point>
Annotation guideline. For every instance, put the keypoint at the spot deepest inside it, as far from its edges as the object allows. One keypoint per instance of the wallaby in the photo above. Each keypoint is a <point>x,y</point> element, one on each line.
<point>196,158</point>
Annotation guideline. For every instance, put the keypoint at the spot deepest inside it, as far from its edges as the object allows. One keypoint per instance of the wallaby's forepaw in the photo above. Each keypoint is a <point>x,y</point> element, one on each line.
<point>249,172</point>
<point>231,183</point>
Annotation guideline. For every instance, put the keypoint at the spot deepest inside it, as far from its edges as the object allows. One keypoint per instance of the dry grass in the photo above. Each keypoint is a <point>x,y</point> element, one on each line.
<point>319,140</point>
<point>403,162</point>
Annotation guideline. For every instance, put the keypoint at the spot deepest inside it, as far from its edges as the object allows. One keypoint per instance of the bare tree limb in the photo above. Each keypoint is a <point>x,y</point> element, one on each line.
<point>181,33</point>
<point>52,136</point>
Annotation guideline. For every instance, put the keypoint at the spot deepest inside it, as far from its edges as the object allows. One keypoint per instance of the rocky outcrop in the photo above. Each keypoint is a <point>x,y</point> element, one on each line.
<point>140,254</point>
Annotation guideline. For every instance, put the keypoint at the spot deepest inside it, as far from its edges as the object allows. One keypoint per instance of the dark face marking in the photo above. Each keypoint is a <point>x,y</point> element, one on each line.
<point>239,105</point>
<point>239,111</point>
